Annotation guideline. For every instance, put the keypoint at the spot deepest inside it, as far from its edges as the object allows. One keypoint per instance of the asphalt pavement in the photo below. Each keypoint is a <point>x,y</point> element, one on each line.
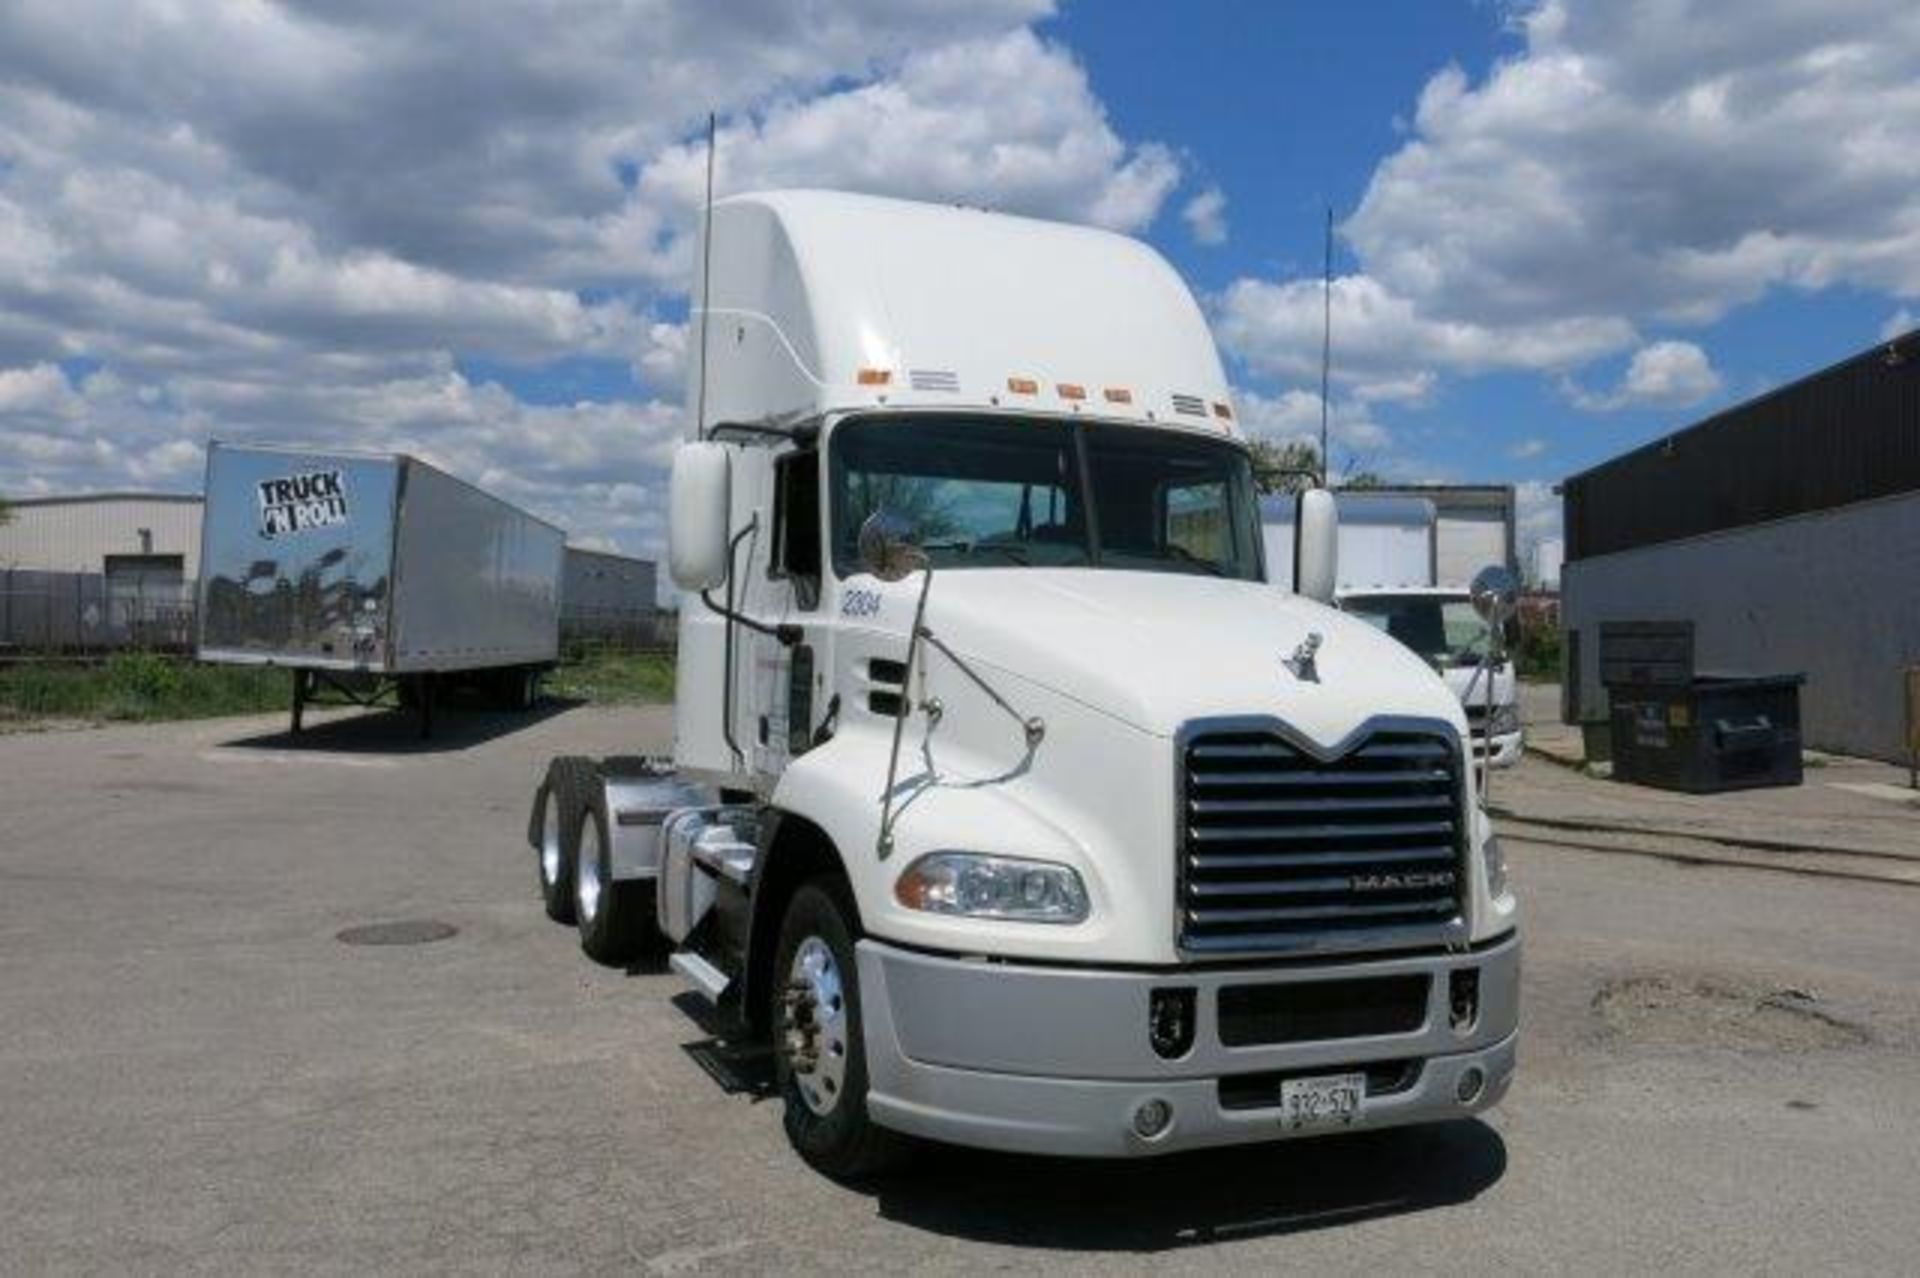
<point>1718,1065</point>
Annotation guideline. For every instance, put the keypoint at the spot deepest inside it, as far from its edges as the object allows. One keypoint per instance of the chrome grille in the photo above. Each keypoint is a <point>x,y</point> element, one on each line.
<point>1283,851</point>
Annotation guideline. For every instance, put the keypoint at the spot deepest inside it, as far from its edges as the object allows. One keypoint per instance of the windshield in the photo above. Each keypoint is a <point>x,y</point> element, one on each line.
<point>1446,631</point>
<point>995,492</point>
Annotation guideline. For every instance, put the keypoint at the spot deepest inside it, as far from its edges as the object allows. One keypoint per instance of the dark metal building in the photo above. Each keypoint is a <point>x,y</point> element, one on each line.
<point>1787,529</point>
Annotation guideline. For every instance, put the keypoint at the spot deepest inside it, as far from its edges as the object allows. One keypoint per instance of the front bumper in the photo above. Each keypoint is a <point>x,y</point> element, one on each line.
<point>1055,1060</point>
<point>1507,747</point>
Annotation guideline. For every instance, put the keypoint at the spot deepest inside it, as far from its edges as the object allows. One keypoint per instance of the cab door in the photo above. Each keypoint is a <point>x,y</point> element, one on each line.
<point>787,679</point>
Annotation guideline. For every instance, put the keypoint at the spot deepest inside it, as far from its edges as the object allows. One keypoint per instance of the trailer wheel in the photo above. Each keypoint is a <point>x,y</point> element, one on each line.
<point>819,1046</point>
<point>515,688</point>
<point>570,782</point>
<point>616,920</point>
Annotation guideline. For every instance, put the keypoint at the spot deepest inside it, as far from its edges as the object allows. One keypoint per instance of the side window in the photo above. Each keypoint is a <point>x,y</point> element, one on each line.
<point>796,524</point>
<point>1198,520</point>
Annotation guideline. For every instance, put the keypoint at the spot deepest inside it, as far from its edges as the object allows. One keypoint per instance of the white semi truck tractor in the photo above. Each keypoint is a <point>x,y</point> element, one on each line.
<point>1008,803</point>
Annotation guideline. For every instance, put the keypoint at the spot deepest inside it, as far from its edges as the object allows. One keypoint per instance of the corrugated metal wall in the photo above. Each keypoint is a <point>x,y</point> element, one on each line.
<point>608,597</point>
<point>76,535</point>
<point>1848,434</point>
<point>1834,596</point>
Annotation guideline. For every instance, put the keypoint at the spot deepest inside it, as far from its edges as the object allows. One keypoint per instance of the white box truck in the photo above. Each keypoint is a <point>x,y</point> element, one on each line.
<point>371,573</point>
<point>1386,575</point>
<point>1009,803</point>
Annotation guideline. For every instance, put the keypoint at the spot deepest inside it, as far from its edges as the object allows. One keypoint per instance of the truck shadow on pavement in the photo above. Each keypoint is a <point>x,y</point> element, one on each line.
<point>1155,1204</point>
<point>1188,1200</point>
<point>397,732</point>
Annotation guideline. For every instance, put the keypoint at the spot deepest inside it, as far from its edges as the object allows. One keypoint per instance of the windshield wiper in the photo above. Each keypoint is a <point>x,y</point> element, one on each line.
<point>1012,550</point>
<point>1176,551</point>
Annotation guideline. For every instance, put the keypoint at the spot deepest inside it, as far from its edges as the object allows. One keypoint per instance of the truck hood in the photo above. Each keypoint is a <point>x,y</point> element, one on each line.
<point>1155,650</point>
<point>1471,681</point>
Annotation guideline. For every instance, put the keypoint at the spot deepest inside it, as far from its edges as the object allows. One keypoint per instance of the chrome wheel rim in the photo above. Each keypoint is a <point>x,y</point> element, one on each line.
<point>586,872</point>
<point>813,1029</point>
<point>550,844</point>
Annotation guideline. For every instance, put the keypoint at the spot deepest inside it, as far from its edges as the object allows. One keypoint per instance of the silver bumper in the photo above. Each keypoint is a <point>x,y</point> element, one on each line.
<point>1056,1060</point>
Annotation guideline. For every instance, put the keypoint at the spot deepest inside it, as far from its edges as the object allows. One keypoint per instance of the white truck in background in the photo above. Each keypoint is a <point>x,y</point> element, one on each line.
<point>1441,624</point>
<point>1386,575</point>
<point>1008,802</point>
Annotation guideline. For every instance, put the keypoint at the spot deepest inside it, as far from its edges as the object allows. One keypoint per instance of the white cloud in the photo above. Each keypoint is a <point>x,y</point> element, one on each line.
<point>1293,416</point>
<point>1383,346</point>
<point>39,391</point>
<point>1007,122</point>
<point>1537,516</point>
<point>663,362</point>
<point>1660,375</point>
<point>1206,216</point>
<point>1527,448</point>
<point>260,221</point>
<point>1899,324</point>
<point>1665,160</point>
<point>1632,165</point>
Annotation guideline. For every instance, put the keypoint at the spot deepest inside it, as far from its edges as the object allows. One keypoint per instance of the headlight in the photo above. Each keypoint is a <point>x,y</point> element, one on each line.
<point>992,887</point>
<point>1505,719</point>
<point>1496,861</point>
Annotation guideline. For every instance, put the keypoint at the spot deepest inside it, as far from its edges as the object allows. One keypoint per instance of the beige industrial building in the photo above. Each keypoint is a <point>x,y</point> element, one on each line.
<point>99,570</point>
<point>99,532</point>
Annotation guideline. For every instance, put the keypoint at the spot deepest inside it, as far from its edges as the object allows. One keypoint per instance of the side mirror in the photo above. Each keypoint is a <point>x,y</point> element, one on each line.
<point>1496,597</point>
<point>887,546</point>
<point>699,512</point>
<point>1316,546</point>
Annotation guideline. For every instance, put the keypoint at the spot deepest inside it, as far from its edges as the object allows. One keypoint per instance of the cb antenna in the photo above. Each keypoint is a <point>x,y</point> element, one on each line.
<point>706,281</point>
<point>1325,344</point>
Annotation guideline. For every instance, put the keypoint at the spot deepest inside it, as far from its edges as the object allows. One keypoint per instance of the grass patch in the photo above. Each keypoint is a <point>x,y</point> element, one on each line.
<point>614,678</point>
<point>139,686</point>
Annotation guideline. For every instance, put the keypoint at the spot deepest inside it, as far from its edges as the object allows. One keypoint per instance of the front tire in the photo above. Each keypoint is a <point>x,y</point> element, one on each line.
<point>616,919</point>
<point>819,1043</point>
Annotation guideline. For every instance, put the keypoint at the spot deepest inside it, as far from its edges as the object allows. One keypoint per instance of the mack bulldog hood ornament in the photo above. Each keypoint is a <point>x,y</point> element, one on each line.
<point>1301,662</point>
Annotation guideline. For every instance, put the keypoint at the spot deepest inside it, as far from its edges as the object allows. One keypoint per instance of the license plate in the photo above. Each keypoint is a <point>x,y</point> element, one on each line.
<point>1334,1100</point>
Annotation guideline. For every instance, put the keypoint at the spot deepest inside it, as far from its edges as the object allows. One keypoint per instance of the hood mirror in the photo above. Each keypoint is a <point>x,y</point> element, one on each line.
<point>1496,596</point>
<point>888,548</point>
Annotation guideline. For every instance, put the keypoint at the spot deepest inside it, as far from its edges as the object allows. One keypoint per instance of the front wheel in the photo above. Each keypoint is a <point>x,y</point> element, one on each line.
<point>819,1048</point>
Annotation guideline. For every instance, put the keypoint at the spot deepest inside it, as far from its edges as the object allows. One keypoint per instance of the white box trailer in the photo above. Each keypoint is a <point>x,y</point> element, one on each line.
<point>1386,542</point>
<point>369,573</point>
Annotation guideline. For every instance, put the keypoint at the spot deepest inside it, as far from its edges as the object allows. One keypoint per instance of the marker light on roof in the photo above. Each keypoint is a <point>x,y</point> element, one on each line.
<point>1069,390</point>
<point>1221,410</point>
<point>1119,395</point>
<point>1023,386</point>
<point>875,376</point>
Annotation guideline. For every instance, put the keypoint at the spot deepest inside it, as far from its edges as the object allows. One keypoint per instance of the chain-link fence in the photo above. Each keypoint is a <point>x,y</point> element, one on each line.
<point>76,613</point>
<point>588,630</point>
<point>59,613</point>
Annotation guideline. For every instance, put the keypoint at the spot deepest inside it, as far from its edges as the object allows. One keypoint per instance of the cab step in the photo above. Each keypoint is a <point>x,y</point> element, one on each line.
<point>707,979</point>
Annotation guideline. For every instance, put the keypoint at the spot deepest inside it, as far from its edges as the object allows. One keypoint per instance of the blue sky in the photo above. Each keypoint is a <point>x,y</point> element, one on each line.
<point>1565,226</point>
